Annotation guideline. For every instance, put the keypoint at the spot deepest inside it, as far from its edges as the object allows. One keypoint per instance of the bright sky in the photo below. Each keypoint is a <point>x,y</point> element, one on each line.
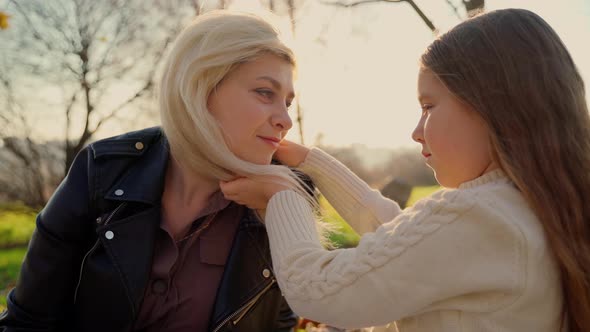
<point>358,67</point>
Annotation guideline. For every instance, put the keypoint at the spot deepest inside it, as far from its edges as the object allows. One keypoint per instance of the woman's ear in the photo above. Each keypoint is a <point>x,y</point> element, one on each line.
<point>208,103</point>
<point>212,93</point>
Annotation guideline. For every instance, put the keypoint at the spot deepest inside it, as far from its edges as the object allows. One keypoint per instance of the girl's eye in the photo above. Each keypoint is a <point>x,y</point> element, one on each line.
<point>288,104</point>
<point>426,108</point>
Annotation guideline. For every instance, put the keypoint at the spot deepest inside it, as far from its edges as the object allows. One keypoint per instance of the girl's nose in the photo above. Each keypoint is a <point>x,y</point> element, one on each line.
<point>418,133</point>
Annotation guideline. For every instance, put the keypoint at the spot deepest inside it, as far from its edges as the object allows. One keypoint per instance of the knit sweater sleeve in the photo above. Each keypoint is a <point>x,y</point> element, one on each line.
<point>362,207</point>
<point>443,248</point>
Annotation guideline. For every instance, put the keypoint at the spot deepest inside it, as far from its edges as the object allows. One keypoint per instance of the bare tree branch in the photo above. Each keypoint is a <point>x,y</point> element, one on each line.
<point>356,3</point>
<point>291,10</point>
<point>455,9</point>
<point>69,116</point>
<point>115,111</point>
<point>87,47</point>
<point>364,2</point>
<point>36,33</point>
<point>422,15</point>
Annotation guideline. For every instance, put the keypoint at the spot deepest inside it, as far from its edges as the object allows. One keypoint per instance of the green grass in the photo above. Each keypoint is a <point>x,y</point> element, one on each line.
<point>16,228</point>
<point>10,261</point>
<point>344,235</point>
<point>17,223</point>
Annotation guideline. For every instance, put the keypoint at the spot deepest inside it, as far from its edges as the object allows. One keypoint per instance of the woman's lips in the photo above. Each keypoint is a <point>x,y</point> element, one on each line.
<point>272,141</point>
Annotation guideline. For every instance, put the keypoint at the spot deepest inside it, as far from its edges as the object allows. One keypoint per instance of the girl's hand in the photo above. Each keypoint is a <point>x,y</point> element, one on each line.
<point>291,154</point>
<point>252,193</point>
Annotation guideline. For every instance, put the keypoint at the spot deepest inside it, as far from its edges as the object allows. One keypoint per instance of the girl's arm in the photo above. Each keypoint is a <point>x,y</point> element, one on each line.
<point>442,249</point>
<point>362,207</point>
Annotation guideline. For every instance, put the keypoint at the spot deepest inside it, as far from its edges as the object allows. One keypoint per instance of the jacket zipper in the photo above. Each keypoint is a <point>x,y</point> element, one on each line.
<point>242,310</point>
<point>110,216</point>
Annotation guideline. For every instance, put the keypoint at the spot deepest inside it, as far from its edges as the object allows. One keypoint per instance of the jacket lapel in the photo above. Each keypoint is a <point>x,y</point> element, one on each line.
<point>130,236</point>
<point>130,244</point>
<point>243,276</point>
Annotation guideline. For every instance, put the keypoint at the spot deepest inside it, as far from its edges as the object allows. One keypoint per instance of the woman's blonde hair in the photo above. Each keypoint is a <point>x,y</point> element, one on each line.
<point>205,52</point>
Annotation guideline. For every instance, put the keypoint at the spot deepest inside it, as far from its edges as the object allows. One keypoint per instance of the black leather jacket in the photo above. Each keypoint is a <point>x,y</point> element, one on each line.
<point>89,259</point>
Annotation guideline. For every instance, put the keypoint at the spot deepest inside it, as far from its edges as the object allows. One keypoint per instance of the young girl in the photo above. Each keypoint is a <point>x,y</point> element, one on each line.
<point>505,247</point>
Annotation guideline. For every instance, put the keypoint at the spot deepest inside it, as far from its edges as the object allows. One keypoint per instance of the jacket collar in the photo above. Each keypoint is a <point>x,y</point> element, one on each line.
<point>144,181</point>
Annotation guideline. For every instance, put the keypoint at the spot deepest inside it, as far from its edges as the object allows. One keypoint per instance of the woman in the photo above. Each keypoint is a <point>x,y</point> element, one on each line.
<point>138,236</point>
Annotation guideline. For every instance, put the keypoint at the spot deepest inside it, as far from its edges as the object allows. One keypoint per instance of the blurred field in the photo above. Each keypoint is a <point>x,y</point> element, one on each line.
<point>419,193</point>
<point>17,223</point>
<point>344,235</point>
<point>10,261</point>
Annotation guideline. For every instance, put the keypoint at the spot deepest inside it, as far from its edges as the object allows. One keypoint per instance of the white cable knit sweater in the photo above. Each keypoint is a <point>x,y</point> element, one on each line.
<point>469,259</point>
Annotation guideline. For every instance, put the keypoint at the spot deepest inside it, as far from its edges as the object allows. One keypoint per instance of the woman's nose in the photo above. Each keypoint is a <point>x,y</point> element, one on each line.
<point>282,120</point>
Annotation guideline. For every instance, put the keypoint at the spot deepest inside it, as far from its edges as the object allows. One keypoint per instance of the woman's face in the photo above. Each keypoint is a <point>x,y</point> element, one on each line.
<point>251,106</point>
<point>455,139</point>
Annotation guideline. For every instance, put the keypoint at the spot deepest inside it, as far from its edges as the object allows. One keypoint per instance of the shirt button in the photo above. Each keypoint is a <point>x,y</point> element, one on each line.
<point>159,286</point>
<point>119,192</point>
<point>109,235</point>
<point>266,273</point>
<point>139,146</point>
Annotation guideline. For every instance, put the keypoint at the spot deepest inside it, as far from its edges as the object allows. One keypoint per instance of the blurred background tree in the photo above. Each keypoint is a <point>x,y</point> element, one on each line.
<point>471,7</point>
<point>98,57</point>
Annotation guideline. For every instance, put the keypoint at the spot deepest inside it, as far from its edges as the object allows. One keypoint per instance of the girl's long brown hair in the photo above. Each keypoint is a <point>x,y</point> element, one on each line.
<point>513,69</point>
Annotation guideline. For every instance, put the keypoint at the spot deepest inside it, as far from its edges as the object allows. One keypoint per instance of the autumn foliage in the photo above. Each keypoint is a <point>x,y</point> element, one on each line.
<point>4,20</point>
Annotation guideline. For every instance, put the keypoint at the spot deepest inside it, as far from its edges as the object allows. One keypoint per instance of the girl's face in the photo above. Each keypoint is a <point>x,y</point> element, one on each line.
<point>455,139</point>
<point>251,103</point>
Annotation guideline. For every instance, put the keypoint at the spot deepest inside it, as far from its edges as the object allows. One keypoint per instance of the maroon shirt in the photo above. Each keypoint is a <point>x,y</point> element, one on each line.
<point>185,275</point>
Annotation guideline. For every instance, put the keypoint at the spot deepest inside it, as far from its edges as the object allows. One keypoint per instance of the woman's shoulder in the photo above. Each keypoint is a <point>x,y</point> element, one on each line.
<point>126,162</point>
<point>133,143</point>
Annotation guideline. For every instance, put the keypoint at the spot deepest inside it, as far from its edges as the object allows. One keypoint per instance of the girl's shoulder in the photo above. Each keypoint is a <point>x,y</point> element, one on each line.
<point>483,208</point>
<point>442,207</point>
<point>483,192</point>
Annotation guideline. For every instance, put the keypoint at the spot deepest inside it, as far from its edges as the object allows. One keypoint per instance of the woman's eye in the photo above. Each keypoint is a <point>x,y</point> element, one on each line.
<point>265,93</point>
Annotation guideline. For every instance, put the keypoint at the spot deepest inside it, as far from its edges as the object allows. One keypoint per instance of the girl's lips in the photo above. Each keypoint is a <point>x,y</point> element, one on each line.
<point>426,155</point>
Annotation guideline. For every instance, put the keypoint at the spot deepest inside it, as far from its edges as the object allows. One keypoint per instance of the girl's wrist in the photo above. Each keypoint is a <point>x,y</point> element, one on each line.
<point>304,153</point>
<point>274,190</point>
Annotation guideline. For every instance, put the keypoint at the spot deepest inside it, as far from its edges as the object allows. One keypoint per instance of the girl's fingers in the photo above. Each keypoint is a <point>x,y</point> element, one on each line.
<point>231,187</point>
